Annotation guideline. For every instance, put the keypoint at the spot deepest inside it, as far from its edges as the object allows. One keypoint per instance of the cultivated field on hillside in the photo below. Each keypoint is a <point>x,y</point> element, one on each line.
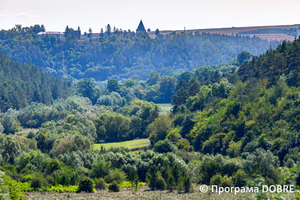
<point>236,30</point>
<point>131,144</point>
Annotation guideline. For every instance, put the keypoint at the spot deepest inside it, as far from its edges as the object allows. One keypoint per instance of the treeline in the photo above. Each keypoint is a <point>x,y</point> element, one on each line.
<point>22,84</point>
<point>283,60</point>
<point>35,114</point>
<point>118,57</point>
<point>157,89</point>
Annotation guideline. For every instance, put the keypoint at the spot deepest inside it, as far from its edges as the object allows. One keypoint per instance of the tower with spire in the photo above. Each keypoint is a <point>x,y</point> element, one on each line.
<point>141,28</point>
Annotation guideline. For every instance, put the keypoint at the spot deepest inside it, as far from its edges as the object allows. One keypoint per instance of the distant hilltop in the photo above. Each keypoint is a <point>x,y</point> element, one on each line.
<point>278,32</point>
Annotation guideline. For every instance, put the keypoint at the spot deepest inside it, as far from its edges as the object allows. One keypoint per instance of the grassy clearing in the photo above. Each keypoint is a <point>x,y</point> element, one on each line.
<point>165,108</point>
<point>25,131</point>
<point>132,144</point>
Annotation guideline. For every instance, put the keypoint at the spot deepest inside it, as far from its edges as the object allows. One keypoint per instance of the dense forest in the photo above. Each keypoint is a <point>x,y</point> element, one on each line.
<point>22,84</point>
<point>122,54</point>
<point>231,125</point>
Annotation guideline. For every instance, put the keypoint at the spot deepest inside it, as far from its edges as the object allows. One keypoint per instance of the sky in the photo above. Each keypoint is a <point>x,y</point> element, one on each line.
<point>55,15</point>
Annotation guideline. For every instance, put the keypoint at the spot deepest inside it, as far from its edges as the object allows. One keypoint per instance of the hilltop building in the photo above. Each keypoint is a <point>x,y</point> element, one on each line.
<point>141,28</point>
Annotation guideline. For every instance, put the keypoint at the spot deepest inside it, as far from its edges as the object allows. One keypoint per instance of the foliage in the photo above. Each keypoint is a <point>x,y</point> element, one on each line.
<point>113,127</point>
<point>85,185</point>
<point>10,147</point>
<point>239,178</point>
<point>187,183</point>
<point>15,191</point>
<point>100,184</point>
<point>283,60</point>
<point>75,127</point>
<point>142,114</point>
<point>164,146</point>
<point>87,89</point>
<point>62,188</point>
<point>244,55</point>
<point>113,99</point>
<point>160,184</point>
<point>10,124</point>
<point>36,182</point>
<point>124,55</point>
<point>115,176</point>
<point>159,129</point>
<point>100,169</point>
<point>72,142</point>
<point>114,187</point>
<point>4,192</point>
<point>152,177</point>
<point>35,114</point>
<point>22,84</point>
<point>133,177</point>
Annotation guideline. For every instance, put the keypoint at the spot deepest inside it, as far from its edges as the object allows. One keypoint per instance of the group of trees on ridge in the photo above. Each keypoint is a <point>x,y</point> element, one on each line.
<point>113,57</point>
<point>22,84</point>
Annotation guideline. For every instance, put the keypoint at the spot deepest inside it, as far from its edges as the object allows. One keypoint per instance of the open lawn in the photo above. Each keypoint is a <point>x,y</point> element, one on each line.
<point>132,144</point>
<point>165,108</point>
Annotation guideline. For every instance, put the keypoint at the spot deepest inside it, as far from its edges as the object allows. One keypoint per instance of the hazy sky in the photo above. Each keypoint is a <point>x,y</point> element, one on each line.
<point>162,14</point>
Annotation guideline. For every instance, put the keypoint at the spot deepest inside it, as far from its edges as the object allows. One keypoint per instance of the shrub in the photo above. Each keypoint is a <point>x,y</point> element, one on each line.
<point>31,135</point>
<point>216,180</point>
<point>160,184</point>
<point>72,142</point>
<point>36,182</point>
<point>52,165</point>
<point>171,183</point>
<point>15,190</point>
<point>164,146</point>
<point>290,163</point>
<point>152,176</point>
<point>4,192</point>
<point>62,188</point>
<point>100,184</point>
<point>114,187</point>
<point>185,145</point>
<point>226,182</point>
<point>100,169</point>
<point>85,185</point>
<point>239,178</point>
<point>115,175</point>
<point>187,184</point>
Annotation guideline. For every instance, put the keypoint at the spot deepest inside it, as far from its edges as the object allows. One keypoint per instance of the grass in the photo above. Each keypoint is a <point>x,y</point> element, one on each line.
<point>165,108</point>
<point>144,193</point>
<point>131,144</point>
<point>25,131</point>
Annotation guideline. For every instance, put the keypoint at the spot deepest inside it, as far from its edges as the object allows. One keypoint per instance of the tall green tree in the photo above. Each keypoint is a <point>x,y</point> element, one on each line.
<point>167,89</point>
<point>86,88</point>
<point>112,85</point>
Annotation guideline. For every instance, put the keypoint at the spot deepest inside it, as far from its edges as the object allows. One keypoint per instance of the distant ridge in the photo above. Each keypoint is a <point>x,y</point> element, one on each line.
<point>236,30</point>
